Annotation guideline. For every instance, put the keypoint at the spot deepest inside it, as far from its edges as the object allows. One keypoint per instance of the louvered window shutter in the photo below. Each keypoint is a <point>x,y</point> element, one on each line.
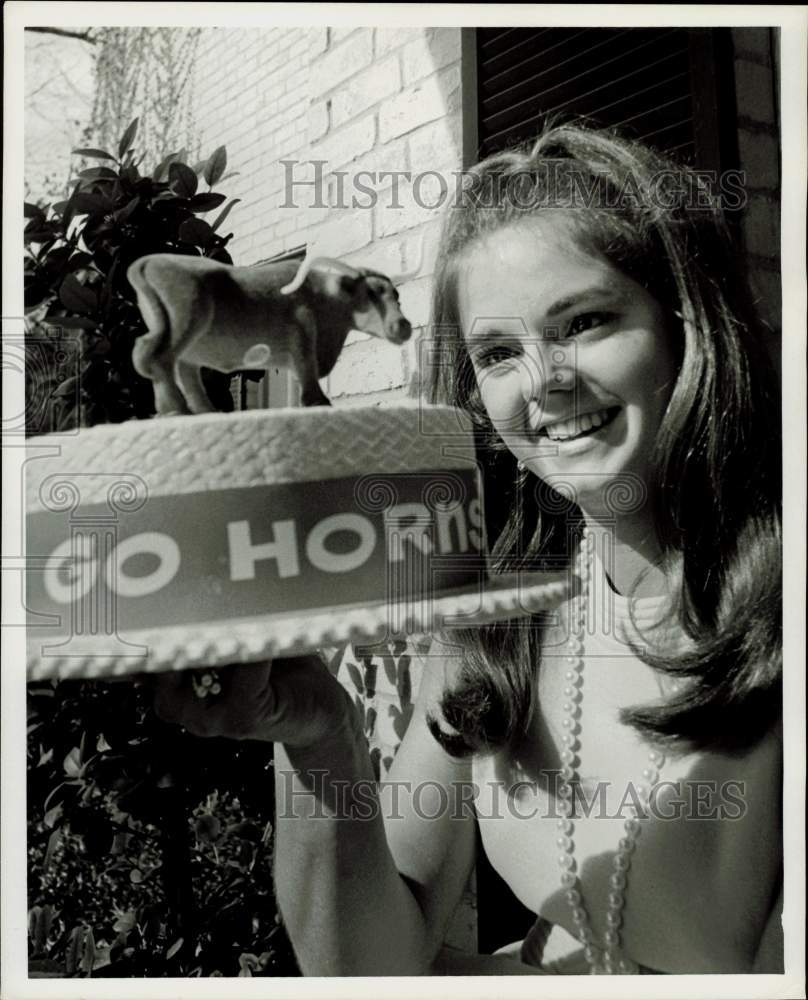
<point>663,85</point>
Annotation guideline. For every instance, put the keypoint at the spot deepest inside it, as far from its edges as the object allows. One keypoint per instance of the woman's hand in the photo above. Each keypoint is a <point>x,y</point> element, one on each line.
<point>294,701</point>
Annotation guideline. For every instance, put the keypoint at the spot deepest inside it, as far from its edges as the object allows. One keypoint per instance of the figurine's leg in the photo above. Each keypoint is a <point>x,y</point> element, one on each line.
<point>313,395</point>
<point>147,362</point>
<point>189,379</point>
<point>304,361</point>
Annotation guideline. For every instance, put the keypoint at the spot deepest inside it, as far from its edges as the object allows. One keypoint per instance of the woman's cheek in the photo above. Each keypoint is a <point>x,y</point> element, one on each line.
<point>502,399</point>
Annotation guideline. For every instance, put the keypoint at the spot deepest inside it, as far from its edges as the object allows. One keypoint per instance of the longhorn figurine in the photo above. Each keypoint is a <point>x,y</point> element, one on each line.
<point>203,313</point>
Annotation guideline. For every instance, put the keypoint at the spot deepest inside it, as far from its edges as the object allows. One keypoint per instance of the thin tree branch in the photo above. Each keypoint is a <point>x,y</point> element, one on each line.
<point>83,36</point>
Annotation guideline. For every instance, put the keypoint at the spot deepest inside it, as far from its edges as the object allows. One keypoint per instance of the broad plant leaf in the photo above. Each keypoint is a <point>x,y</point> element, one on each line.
<point>206,201</point>
<point>161,169</point>
<point>77,297</point>
<point>196,232</point>
<point>127,137</point>
<point>216,165</point>
<point>182,180</point>
<point>98,174</point>
<point>224,213</point>
<point>96,154</point>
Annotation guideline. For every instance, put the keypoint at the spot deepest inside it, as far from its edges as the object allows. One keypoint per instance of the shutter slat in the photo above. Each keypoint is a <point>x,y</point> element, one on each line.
<point>580,106</point>
<point>571,88</point>
<point>525,43</point>
<point>678,108</point>
<point>646,100</point>
<point>634,78</point>
<point>601,45</point>
<point>645,127</point>
<point>493,41</point>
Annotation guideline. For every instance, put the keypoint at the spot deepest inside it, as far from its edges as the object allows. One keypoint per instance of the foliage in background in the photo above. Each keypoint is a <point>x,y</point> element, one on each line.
<point>59,72</point>
<point>147,71</point>
<point>150,850</point>
<point>82,313</point>
<point>100,78</point>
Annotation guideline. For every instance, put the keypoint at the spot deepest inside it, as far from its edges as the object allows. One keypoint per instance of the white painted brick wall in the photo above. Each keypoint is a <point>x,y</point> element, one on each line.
<point>339,33</point>
<point>366,89</point>
<point>438,146</point>
<point>431,50</point>
<point>346,144</point>
<point>378,100</point>
<point>343,232</point>
<point>367,362</point>
<point>415,300</point>
<point>425,102</point>
<point>388,39</point>
<point>343,58</point>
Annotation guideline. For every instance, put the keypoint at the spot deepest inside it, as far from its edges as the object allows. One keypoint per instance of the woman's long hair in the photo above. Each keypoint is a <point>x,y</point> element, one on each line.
<point>717,461</point>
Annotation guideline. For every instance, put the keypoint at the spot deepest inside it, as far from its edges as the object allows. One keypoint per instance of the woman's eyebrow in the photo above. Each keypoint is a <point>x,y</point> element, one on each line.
<point>481,331</point>
<point>576,298</point>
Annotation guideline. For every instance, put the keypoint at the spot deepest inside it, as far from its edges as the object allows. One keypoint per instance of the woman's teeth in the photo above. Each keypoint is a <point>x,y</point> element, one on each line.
<point>566,429</point>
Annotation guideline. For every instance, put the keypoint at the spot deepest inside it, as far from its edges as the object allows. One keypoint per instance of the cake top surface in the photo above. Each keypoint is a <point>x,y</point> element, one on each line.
<point>191,454</point>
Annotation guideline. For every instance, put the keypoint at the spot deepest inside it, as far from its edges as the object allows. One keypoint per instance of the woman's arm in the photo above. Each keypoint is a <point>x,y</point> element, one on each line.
<point>367,884</point>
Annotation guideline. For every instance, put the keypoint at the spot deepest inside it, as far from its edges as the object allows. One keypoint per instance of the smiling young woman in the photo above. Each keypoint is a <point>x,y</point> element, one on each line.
<point>627,423</point>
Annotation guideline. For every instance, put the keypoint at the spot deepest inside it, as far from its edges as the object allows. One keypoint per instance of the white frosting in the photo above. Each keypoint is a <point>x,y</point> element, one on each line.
<point>192,454</point>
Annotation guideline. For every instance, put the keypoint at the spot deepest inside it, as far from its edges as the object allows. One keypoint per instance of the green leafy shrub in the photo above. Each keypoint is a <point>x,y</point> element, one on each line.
<point>79,305</point>
<point>150,850</point>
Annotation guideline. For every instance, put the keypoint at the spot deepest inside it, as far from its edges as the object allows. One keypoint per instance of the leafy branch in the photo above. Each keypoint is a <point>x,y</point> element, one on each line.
<point>79,303</point>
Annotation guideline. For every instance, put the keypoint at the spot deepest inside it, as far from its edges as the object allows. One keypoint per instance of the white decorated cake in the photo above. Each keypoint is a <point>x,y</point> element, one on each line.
<point>189,541</point>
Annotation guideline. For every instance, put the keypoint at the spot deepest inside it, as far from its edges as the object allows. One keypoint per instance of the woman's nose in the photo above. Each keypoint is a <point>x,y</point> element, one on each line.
<point>533,371</point>
<point>562,366</point>
<point>547,366</point>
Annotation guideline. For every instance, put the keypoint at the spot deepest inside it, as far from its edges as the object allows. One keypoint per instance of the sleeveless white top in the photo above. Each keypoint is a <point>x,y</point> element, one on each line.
<point>702,882</point>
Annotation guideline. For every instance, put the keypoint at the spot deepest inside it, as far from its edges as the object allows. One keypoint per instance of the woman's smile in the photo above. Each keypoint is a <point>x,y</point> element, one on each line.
<point>575,427</point>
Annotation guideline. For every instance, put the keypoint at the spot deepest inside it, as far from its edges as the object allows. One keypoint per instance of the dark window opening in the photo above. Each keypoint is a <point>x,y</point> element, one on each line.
<point>670,87</point>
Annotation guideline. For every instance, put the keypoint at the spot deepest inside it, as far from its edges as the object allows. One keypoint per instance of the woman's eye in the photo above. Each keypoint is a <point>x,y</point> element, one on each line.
<point>495,355</point>
<point>588,321</point>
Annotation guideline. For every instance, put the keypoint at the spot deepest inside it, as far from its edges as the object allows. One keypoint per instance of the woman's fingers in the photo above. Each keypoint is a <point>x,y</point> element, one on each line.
<point>311,705</point>
<point>228,713</point>
<point>293,701</point>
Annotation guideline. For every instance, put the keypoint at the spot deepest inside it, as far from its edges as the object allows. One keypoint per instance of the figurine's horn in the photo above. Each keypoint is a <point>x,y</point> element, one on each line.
<point>326,263</point>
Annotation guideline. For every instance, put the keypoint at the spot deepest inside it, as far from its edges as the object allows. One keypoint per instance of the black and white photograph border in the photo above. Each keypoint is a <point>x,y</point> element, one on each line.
<point>354,171</point>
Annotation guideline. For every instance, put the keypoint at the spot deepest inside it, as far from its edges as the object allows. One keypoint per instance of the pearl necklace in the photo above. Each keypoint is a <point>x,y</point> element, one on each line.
<point>605,959</point>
